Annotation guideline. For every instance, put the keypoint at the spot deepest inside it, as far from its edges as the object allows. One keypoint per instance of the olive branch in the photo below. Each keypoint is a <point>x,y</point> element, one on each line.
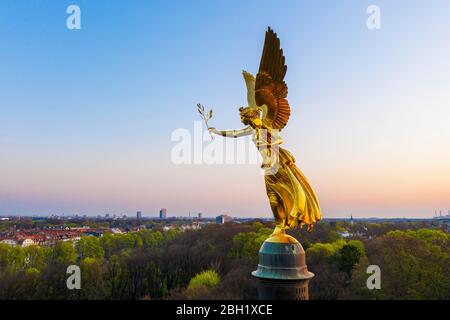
<point>205,116</point>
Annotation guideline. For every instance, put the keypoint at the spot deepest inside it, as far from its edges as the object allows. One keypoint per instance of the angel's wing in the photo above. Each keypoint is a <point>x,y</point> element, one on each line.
<point>250,82</point>
<point>270,88</point>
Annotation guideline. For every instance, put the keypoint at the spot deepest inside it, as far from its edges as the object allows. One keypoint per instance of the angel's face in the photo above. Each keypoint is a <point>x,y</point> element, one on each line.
<point>248,115</point>
<point>245,120</point>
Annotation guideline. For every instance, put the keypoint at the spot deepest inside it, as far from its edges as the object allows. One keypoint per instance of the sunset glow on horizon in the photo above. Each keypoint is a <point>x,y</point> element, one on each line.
<point>87,116</point>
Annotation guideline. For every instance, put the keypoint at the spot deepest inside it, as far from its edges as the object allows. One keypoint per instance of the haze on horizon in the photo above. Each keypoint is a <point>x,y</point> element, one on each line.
<point>86,116</point>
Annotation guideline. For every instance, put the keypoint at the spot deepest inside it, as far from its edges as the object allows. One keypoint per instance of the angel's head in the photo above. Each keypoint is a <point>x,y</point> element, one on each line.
<point>249,114</point>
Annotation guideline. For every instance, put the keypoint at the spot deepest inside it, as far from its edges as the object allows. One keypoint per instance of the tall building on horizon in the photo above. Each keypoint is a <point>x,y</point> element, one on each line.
<point>163,213</point>
<point>139,215</point>
<point>224,218</point>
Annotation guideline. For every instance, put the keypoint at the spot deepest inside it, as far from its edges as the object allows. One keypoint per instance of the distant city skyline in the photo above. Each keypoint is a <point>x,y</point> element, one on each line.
<point>86,116</point>
<point>200,215</point>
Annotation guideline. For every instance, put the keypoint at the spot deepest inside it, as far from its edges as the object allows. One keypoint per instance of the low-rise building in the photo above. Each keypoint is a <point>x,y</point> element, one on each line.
<point>27,242</point>
<point>116,231</point>
<point>10,242</point>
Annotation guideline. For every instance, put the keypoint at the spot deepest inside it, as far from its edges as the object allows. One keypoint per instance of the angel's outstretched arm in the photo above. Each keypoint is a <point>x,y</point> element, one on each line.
<point>233,133</point>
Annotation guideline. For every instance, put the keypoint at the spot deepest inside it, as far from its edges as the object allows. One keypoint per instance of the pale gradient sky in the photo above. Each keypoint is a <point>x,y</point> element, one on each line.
<point>86,116</point>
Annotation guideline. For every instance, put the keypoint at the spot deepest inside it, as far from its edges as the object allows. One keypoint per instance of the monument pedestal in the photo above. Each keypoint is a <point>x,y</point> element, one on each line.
<point>282,270</point>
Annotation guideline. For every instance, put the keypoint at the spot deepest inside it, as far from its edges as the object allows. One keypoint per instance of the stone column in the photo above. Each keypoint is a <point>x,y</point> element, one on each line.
<point>282,270</point>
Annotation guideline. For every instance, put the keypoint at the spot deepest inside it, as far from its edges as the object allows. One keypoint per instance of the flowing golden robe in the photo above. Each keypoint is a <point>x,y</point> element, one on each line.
<point>291,197</point>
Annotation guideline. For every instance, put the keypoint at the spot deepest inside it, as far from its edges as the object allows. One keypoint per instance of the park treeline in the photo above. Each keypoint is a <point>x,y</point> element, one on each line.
<point>216,263</point>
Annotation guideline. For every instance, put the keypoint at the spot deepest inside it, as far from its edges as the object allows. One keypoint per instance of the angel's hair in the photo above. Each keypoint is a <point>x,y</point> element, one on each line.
<point>248,114</point>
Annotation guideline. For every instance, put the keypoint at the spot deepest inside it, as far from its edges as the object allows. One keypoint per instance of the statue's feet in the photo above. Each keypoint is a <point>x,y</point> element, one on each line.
<point>279,236</point>
<point>278,231</point>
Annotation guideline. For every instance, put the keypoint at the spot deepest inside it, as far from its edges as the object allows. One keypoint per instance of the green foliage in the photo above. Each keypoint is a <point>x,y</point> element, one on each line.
<point>33,272</point>
<point>201,283</point>
<point>19,258</point>
<point>325,250</point>
<point>414,262</point>
<point>256,226</point>
<point>332,263</point>
<point>247,244</point>
<point>172,234</point>
<point>65,253</point>
<point>36,257</point>
<point>414,265</point>
<point>430,236</point>
<point>151,239</point>
<point>347,257</point>
<point>339,227</point>
<point>358,285</point>
<point>116,266</point>
<point>359,246</point>
<point>208,278</point>
<point>92,278</point>
<point>320,250</point>
<point>118,243</point>
<point>89,247</point>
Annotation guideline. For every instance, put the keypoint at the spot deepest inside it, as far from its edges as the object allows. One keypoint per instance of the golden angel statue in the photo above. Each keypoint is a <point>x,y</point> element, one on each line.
<point>292,200</point>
